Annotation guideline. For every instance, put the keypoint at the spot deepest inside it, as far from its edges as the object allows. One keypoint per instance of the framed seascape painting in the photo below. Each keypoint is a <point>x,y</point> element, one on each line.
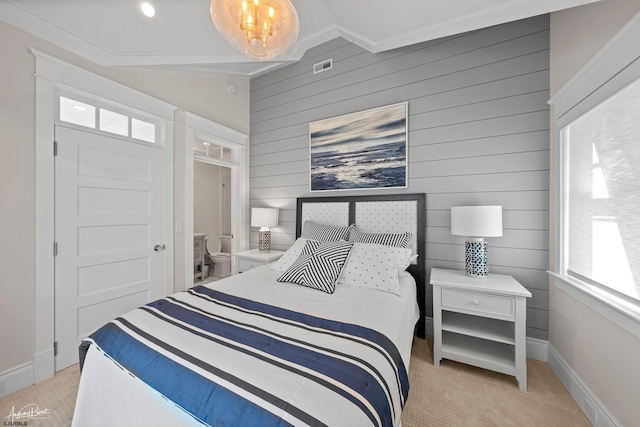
<point>362,150</point>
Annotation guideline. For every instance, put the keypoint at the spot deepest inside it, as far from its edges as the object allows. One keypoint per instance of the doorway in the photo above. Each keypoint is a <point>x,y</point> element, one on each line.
<point>212,215</point>
<point>209,142</point>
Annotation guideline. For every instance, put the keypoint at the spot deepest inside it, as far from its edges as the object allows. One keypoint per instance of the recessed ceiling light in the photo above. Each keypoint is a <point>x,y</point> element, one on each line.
<point>148,9</point>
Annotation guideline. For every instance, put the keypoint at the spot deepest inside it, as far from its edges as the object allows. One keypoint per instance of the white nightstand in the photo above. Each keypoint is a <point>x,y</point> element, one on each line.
<point>480,322</point>
<point>248,260</point>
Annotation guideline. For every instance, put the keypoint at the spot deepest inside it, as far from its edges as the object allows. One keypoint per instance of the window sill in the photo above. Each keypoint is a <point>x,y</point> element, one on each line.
<point>620,312</point>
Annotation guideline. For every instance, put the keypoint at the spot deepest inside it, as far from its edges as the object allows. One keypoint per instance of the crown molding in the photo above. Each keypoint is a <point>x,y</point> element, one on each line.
<point>619,54</point>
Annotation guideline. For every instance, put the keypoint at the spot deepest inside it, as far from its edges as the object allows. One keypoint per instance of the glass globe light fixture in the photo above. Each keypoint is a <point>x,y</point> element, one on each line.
<point>260,29</point>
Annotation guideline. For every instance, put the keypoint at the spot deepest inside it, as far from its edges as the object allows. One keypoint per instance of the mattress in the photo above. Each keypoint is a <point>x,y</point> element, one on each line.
<point>112,394</point>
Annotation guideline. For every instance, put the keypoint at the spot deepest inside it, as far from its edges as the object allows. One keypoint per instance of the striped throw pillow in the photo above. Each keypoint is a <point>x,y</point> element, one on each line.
<point>325,233</point>
<point>400,240</point>
<point>319,266</point>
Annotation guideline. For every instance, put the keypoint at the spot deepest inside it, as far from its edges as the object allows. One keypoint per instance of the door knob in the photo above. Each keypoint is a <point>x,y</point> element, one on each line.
<point>158,248</point>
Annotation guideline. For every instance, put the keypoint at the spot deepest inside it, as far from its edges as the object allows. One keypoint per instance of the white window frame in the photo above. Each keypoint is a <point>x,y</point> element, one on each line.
<point>615,66</point>
<point>101,104</point>
<point>219,161</point>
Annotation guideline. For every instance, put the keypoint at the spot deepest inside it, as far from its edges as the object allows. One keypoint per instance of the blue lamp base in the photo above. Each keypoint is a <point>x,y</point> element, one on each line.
<point>476,258</point>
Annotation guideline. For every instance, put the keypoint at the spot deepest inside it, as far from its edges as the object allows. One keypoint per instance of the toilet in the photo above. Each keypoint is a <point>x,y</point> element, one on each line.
<point>221,261</point>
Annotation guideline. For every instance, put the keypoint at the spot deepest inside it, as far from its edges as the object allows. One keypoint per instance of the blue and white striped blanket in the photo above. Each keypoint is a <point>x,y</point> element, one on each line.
<point>231,361</point>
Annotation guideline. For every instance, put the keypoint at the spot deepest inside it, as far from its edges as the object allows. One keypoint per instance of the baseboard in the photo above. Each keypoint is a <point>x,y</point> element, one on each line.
<point>593,408</point>
<point>43,365</point>
<point>16,379</point>
<point>428,326</point>
<point>536,349</point>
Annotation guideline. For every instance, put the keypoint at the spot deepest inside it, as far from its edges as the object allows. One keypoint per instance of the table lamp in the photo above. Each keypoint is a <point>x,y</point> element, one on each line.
<point>264,218</point>
<point>476,222</point>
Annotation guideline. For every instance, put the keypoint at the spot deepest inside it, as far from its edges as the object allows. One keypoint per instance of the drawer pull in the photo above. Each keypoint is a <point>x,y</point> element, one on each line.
<point>476,302</point>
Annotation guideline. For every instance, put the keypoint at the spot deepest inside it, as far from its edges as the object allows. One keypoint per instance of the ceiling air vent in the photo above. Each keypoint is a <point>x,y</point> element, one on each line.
<point>323,66</point>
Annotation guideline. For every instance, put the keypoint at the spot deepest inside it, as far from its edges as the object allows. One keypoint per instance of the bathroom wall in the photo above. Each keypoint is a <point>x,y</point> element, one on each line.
<point>208,198</point>
<point>226,202</point>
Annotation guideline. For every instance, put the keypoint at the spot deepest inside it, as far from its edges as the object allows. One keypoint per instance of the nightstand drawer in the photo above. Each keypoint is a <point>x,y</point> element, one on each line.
<point>478,302</point>
<point>247,264</point>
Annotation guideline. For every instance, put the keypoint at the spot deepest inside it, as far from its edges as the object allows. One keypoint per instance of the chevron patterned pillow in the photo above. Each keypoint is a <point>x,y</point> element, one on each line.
<point>319,266</point>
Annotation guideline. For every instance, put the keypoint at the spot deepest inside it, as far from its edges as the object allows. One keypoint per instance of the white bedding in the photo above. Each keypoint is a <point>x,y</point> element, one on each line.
<point>109,396</point>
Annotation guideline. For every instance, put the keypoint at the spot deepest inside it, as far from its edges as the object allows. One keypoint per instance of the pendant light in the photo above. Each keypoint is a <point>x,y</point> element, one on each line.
<point>260,29</point>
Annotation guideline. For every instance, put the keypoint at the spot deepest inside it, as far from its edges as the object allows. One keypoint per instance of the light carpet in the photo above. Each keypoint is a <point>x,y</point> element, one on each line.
<point>459,395</point>
<point>454,394</point>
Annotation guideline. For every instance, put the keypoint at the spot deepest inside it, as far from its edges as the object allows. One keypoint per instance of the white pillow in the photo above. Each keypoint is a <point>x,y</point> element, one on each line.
<point>292,254</point>
<point>375,266</point>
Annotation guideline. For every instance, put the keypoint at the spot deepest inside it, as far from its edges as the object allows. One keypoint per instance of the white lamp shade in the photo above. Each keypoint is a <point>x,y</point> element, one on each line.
<point>264,217</point>
<point>476,221</point>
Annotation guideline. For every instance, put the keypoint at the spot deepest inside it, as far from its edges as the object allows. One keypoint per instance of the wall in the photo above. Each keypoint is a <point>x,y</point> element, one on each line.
<point>204,95</point>
<point>575,36</point>
<point>600,352</point>
<point>206,198</point>
<point>226,204</point>
<point>478,134</point>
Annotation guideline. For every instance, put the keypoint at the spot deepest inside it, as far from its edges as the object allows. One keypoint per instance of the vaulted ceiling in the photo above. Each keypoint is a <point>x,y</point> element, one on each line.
<point>181,36</point>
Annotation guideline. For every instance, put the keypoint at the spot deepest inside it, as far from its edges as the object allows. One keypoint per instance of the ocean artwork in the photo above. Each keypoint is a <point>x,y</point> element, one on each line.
<point>361,150</point>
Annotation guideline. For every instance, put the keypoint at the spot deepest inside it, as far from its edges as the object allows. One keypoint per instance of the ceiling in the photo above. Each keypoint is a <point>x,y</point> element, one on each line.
<point>182,37</point>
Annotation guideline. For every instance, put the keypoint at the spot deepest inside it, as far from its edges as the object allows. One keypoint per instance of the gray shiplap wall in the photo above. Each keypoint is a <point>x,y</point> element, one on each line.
<point>478,134</point>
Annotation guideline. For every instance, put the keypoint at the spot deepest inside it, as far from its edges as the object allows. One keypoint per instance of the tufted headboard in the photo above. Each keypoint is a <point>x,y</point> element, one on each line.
<point>392,213</point>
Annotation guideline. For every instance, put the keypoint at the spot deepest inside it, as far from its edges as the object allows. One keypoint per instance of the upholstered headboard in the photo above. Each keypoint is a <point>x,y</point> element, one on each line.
<point>392,213</point>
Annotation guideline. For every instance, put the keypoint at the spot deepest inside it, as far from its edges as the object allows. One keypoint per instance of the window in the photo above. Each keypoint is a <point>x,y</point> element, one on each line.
<point>205,150</point>
<point>602,194</point>
<point>114,120</point>
<point>78,113</point>
<point>143,130</point>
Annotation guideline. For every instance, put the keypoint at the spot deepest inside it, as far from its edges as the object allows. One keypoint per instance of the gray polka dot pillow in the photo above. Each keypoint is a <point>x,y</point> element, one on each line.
<point>375,266</point>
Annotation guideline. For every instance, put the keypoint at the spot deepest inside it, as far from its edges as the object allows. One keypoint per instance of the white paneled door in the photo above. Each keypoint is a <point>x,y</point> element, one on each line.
<point>109,230</point>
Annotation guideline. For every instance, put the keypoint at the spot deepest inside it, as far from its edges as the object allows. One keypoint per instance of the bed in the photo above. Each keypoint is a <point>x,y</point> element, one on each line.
<point>278,345</point>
